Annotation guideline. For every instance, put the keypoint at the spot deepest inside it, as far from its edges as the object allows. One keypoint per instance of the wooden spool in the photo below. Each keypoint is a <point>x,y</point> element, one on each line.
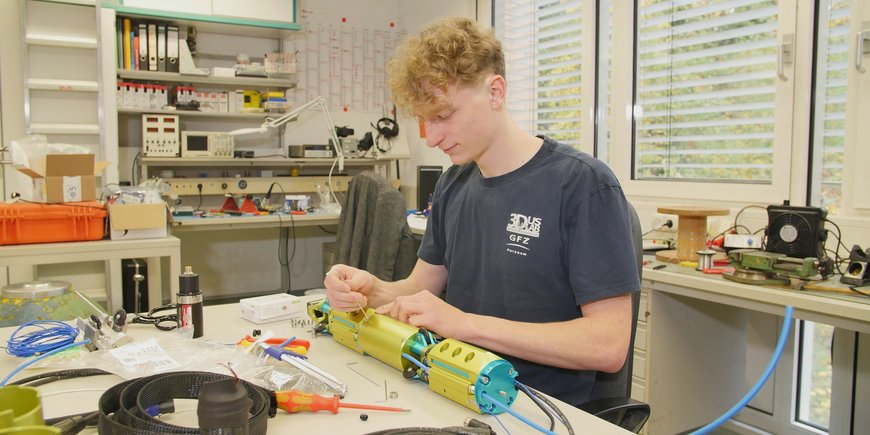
<point>691,232</point>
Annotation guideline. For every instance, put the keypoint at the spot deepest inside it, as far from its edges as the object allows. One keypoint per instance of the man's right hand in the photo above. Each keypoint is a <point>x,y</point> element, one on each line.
<point>347,287</point>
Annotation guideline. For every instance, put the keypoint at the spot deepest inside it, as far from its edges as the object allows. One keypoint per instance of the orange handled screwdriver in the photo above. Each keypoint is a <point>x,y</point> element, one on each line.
<point>294,401</point>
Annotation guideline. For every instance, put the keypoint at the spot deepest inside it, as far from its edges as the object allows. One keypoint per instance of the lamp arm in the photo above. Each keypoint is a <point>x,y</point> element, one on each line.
<point>293,114</point>
<point>339,153</point>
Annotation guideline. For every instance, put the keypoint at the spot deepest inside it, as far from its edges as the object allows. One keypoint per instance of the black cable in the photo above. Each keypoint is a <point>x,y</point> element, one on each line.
<point>45,378</point>
<point>77,204</point>
<point>68,424</point>
<point>523,388</point>
<point>134,179</point>
<point>855,288</point>
<point>838,259</point>
<point>322,228</point>
<point>73,424</point>
<point>199,190</point>
<point>668,224</point>
<point>283,241</point>
<point>552,406</point>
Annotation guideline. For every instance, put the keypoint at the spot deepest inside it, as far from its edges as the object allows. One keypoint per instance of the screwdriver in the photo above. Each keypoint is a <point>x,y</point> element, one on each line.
<point>294,401</point>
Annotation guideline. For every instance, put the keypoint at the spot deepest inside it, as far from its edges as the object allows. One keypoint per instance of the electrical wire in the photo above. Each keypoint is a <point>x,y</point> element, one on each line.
<point>49,335</point>
<point>283,241</point>
<point>48,377</point>
<point>501,424</point>
<point>855,288</point>
<point>525,420</point>
<point>668,224</point>
<point>549,414</point>
<point>777,353</point>
<point>134,176</point>
<point>28,363</point>
<point>416,362</point>
<point>838,259</point>
<point>540,396</point>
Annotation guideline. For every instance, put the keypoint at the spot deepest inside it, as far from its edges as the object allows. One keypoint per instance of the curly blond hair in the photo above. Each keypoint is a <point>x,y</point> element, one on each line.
<point>450,51</point>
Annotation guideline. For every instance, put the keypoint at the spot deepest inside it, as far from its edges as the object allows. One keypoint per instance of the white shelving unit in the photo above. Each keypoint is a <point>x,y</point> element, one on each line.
<point>61,71</point>
<point>184,174</point>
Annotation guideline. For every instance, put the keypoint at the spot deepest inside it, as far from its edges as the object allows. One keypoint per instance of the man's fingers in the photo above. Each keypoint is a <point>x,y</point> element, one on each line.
<point>384,309</point>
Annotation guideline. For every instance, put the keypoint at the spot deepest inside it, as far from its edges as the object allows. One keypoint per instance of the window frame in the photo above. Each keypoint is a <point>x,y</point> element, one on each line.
<point>624,111</point>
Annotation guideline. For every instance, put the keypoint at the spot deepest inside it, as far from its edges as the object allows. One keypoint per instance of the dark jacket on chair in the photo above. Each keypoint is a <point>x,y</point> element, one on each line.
<point>373,232</point>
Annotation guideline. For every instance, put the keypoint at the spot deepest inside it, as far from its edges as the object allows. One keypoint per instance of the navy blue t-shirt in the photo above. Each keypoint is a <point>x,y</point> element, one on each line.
<point>532,246</point>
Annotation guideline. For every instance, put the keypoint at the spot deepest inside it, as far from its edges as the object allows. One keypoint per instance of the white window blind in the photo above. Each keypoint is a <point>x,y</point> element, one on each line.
<point>830,110</point>
<point>705,90</point>
<point>542,44</point>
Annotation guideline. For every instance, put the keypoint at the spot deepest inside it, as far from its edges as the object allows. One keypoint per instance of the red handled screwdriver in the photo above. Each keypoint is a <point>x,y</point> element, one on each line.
<point>294,401</point>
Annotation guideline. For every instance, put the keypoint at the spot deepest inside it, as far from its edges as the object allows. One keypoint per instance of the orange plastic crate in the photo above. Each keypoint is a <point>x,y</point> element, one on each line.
<point>22,223</point>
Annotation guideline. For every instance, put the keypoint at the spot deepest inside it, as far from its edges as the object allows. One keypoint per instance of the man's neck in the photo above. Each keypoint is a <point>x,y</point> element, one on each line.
<point>509,151</point>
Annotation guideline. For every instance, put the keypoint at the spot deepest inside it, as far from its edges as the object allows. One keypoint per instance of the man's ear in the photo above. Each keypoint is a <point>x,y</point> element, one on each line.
<point>497,90</point>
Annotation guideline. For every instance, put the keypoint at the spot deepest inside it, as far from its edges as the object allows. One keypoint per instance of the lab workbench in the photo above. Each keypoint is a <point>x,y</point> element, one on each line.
<point>242,222</point>
<point>369,381</point>
<point>694,333</point>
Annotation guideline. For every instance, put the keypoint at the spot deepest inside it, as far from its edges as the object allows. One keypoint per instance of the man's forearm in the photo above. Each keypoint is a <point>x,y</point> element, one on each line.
<point>596,342</point>
<point>425,276</point>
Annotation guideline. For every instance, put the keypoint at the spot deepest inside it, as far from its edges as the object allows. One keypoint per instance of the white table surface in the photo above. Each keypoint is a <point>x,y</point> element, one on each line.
<point>223,324</point>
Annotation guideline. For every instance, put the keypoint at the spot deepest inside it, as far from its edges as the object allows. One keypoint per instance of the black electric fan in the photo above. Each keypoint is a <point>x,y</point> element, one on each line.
<point>797,232</point>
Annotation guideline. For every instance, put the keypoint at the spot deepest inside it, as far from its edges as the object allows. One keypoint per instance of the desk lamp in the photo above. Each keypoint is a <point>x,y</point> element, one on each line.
<point>270,123</point>
<point>293,114</point>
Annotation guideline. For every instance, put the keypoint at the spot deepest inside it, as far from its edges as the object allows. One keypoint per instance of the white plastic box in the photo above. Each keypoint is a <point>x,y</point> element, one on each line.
<point>272,308</point>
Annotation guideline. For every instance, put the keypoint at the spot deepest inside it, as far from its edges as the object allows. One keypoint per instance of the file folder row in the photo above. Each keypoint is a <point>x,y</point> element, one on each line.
<point>147,46</point>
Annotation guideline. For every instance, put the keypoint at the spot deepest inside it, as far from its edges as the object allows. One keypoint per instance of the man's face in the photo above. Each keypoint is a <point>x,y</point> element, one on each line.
<point>461,125</point>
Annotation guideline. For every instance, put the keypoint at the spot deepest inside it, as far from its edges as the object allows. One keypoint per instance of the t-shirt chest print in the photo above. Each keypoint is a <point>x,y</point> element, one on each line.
<point>521,231</point>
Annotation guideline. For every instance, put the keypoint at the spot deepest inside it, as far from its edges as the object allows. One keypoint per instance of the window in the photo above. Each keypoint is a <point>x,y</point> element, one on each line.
<point>706,90</point>
<point>544,48</point>
<point>830,104</point>
<point>815,370</point>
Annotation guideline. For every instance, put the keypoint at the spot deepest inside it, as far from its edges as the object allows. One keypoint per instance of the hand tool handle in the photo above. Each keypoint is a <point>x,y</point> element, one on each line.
<point>294,401</point>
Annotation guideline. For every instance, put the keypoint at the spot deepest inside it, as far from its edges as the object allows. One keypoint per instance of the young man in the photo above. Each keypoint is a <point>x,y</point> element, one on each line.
<point>530,238</point>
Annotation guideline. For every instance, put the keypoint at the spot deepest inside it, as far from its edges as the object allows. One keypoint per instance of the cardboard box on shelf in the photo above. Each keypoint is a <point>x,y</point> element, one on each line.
<point>61,178</point>
<point>137,221</point>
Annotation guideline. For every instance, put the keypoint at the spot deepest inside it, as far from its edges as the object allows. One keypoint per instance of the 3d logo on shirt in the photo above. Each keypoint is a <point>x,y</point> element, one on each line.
<point>522,229</point>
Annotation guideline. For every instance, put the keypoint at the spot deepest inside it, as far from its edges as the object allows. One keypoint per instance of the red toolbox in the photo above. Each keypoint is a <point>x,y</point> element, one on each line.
<point>22,223</point>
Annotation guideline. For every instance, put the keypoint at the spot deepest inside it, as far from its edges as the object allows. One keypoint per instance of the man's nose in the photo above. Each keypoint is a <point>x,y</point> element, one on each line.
<point>434,134</point>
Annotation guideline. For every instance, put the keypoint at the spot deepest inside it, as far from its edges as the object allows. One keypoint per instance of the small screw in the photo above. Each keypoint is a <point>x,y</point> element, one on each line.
<point>363,417</point>
<point>256,333</point>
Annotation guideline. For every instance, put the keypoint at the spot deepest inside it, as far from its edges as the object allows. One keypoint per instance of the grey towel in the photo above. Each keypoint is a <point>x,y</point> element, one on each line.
<point>373,232</point>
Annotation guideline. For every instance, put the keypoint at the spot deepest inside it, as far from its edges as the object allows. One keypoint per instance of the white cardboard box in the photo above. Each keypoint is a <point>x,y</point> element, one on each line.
<point>272,308</point>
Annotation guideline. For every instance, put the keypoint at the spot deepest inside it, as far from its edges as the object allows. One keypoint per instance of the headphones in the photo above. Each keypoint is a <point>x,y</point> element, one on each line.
<point>386,128</point>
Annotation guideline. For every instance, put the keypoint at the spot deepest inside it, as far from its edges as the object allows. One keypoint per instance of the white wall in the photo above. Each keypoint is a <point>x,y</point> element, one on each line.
<point>416,15</point>
<point>246,261</point>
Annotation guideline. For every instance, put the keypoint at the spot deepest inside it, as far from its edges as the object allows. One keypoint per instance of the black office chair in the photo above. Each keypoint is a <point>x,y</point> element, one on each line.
<point>611,394</point>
